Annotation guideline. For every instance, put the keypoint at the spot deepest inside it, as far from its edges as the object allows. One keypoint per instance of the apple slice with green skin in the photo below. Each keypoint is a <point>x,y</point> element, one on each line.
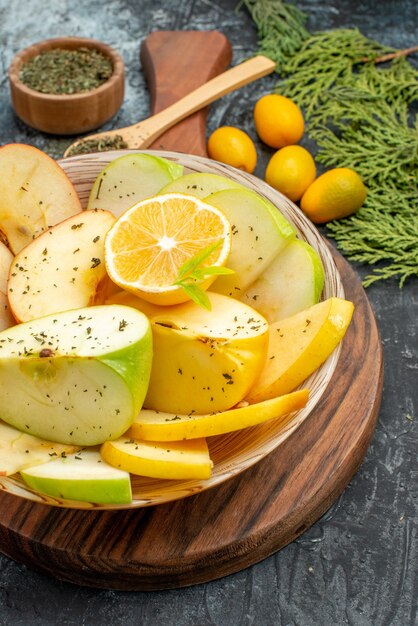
<point>200,184</point>
<point>259,233</point>
<point>159,426</point>
<point>35,193</point>
<point>298,345</point>
<point>83,476</point>
<point>292,282</point>
<point>174,460</point>
<point>129,179</point>
<point>6,258</point>
<point>62,269</point>
<point>204,361</point>
<point>19,450</point>
<point>77,377</point>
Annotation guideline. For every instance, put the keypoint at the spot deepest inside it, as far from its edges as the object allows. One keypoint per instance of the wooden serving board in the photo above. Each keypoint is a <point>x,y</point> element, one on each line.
<point>222,530</point>
<point>175,63</point>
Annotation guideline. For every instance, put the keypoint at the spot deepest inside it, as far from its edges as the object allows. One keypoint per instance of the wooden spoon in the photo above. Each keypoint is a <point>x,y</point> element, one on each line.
<point>142,134</point>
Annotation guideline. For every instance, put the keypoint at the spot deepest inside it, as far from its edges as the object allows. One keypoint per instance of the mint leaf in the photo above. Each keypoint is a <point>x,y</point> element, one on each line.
<point>198,295</point>
<point>191,273</point>
<point>216,270</point>
<point>191,264</point>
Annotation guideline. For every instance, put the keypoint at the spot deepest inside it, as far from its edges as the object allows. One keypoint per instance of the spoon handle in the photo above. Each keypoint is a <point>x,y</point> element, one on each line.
<point>217,87</point>
<point>142,134</point>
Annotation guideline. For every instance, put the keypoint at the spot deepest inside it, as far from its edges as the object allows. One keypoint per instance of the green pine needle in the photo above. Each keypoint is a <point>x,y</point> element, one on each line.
<point>326,59</point>
<point>197,294</point>
<point>281,28</point>
<point>359,114</point>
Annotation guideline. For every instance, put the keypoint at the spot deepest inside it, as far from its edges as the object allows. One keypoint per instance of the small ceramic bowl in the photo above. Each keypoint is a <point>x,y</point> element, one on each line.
<point>67,114</point>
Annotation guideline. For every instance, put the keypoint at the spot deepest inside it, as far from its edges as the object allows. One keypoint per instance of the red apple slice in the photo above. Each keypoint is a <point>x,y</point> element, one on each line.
<point>62,269</point>
<point>6,258</point>
<point>35,193</point>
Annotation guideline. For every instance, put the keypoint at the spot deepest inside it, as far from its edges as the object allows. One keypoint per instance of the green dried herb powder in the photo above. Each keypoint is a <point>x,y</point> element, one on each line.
<point>59,71</point>
<point>104,144</point>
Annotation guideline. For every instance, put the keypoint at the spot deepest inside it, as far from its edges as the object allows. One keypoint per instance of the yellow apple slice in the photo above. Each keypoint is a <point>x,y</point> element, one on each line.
<point>6,258</point>
<point>19,450</point>
<point>298,345</point>
<point>62,269</point>
<point>157,426</point>
<point>175,460</point>
<point>35,193</point>
<point>204,361</point>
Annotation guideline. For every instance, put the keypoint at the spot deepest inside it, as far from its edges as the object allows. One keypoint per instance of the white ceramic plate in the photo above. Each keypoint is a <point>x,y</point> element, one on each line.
<point>237,451</point>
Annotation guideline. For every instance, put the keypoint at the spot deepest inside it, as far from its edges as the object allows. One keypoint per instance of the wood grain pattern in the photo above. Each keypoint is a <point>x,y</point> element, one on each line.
<point>220,531</point>
<point>358,562</point>
<point>240,522</point>
<point>175,63</point>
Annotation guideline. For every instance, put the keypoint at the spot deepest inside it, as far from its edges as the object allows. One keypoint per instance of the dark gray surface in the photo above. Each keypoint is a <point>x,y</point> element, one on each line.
<point>358,564</point>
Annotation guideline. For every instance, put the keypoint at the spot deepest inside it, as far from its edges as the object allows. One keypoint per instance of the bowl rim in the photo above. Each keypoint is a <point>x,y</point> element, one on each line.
<point>178,490</point>
<point>66,43</point>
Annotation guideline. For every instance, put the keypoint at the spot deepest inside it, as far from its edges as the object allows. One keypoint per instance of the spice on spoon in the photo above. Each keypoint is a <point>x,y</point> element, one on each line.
<point>64,72</point>
<point>104,144</point>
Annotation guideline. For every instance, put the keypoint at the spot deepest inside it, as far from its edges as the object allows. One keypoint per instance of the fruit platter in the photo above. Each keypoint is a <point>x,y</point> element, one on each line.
<point>258,304</point>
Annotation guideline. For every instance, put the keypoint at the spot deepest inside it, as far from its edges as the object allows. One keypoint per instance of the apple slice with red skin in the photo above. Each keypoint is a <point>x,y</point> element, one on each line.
<point>35,193</point>
<point>62,269</point>
<point>6,258</point>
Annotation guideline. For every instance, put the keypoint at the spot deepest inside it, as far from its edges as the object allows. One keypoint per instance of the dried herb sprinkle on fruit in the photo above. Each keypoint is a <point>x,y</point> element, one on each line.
<point>65,72</point>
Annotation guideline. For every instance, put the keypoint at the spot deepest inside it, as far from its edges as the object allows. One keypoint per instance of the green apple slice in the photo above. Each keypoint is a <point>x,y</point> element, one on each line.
<point>77,377</point>
<point>130,179</point>
<point>19,450</point>
<point>291,283</point>
<point>82,476</point>
<point>200,184</point>
<point>259,233</point>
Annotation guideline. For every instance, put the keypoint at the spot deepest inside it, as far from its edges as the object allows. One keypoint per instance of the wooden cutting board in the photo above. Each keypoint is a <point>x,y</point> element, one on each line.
<point>175,63</point>
<point>241,522</point>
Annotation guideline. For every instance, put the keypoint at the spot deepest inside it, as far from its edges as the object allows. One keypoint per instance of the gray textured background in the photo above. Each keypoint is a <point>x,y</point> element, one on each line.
<point>358,564</point>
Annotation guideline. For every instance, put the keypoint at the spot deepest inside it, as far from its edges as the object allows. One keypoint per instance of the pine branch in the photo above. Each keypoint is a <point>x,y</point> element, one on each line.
<point>392,55</point>
<point>325,59</point>
<point>281,29</point>
<point>359,114</point>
